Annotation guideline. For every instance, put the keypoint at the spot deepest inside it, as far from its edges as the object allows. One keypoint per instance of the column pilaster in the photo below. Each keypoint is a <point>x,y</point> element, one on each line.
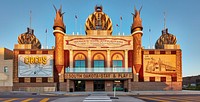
<point>71,58</point>
<point>126,58</point>
<point>108,58</point>
<point>89,59</point>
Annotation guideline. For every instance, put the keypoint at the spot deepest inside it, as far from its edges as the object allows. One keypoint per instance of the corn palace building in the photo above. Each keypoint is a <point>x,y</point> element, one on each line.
<point>97,61</point>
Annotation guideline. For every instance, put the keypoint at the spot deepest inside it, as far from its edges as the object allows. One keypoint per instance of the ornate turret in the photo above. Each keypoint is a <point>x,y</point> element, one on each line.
<point>98,23</point>
<point>29,38</point>
<point>165,38</point>
<point>136,32</point>
<point>59,32</point>
<point>58,21</point>
<point>137,21</point>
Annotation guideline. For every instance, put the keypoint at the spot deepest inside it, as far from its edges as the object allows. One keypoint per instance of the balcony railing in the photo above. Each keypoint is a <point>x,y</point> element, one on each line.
<point>98,70</point>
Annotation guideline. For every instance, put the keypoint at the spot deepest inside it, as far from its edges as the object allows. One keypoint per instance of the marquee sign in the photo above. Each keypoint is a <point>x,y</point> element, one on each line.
<point>98,42</point>
<point>98,75</point>
<point>35,65</point>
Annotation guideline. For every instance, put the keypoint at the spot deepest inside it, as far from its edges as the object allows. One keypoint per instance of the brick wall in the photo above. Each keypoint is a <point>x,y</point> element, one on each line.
<point>63,86</point>
<point>30,83</point>
<point>5,88</point>
<point>89,86</point>
<point>109,85</point>
<point>31,86</point>
<point>156,86</point>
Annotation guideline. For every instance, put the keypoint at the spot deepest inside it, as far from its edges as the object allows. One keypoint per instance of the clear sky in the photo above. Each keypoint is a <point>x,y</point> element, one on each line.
<point>182,20</point>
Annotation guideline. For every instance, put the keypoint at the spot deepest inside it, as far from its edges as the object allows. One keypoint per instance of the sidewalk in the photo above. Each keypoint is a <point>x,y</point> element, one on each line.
<point>183,92</point>
<point>118,93</point>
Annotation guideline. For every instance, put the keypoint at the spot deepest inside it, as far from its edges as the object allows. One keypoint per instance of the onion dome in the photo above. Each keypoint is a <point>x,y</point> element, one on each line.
<point>165,38</point>
<point>29,38</point>
<point>98,21</point>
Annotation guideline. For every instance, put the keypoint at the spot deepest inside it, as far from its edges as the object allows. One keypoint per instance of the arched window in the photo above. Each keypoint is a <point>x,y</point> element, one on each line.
<point>80,61</point>
<point>99,61</point>
<point>5,69</point>
<point>117,61</point>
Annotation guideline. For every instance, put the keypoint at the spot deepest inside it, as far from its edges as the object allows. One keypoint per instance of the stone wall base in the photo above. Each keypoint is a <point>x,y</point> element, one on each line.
<point>35,87</point>
<point>5,88</point>
<point>63,86</point>
<point>156,86</point>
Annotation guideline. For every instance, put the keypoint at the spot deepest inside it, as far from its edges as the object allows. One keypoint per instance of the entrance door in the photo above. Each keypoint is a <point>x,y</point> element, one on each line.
<point>79,85</point>
<point>119,85</point>
<point>99,85</point>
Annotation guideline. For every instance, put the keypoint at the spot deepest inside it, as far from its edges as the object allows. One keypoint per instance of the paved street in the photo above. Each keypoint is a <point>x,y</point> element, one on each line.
<point>27,98</point>
<point>154,98</point>
<point>91,98</point>
<point>136,96</point>
<point>164,98</point>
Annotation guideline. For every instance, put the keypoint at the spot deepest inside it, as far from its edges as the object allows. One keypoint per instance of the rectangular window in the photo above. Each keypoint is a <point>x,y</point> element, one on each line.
<point>173,52</point>
<point>117,63</point>
<point>174,79</point>
<point>162,52</point>
<point>45,80</point>
<point>33,52</point>
<point>151,52</point>
<point>152,79</point>
<point>21,52</point>
<point>21,80</point>
<point>163,79</point>
<point>33,80</point>
<point>79,63</point>
<point>99,64</point>
<point>5,69</point>
<point>44,52</point>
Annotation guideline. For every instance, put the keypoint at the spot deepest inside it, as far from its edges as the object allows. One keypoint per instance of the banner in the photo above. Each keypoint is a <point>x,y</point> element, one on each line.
<point>36,65</point>
<point>159,64</point>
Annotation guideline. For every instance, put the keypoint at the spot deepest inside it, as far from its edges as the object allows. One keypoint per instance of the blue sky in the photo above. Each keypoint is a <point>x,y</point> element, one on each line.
<point>182,20</point>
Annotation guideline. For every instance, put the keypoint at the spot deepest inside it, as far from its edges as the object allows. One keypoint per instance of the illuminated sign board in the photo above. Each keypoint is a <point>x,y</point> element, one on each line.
<point>98,75</point>
<point>35,65</point>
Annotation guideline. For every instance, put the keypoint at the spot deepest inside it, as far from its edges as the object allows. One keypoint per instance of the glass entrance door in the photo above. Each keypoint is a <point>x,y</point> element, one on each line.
<point>99,85</point>
<point>79,85</point>
<point>119,85</point>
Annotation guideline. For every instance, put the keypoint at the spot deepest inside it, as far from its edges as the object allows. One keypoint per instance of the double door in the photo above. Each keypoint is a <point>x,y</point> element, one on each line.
<point>99,85</point>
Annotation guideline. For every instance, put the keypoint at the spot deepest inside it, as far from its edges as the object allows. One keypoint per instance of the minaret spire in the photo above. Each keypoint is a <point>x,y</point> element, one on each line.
<point>136,32</point>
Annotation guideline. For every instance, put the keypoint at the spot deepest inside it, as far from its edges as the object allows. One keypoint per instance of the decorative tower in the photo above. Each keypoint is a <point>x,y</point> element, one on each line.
<point>136,32</point>
<point>59,32</point>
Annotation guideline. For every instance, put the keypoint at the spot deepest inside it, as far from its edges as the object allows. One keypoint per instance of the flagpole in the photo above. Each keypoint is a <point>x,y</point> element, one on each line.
<point>117,29</point>
<point>75,24</point>
<point>80,30</point>
<point>46,38</point>
<point>150,37</point>
<point>164,21</point>
<point>30,18</point>
<point>120,24</point>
